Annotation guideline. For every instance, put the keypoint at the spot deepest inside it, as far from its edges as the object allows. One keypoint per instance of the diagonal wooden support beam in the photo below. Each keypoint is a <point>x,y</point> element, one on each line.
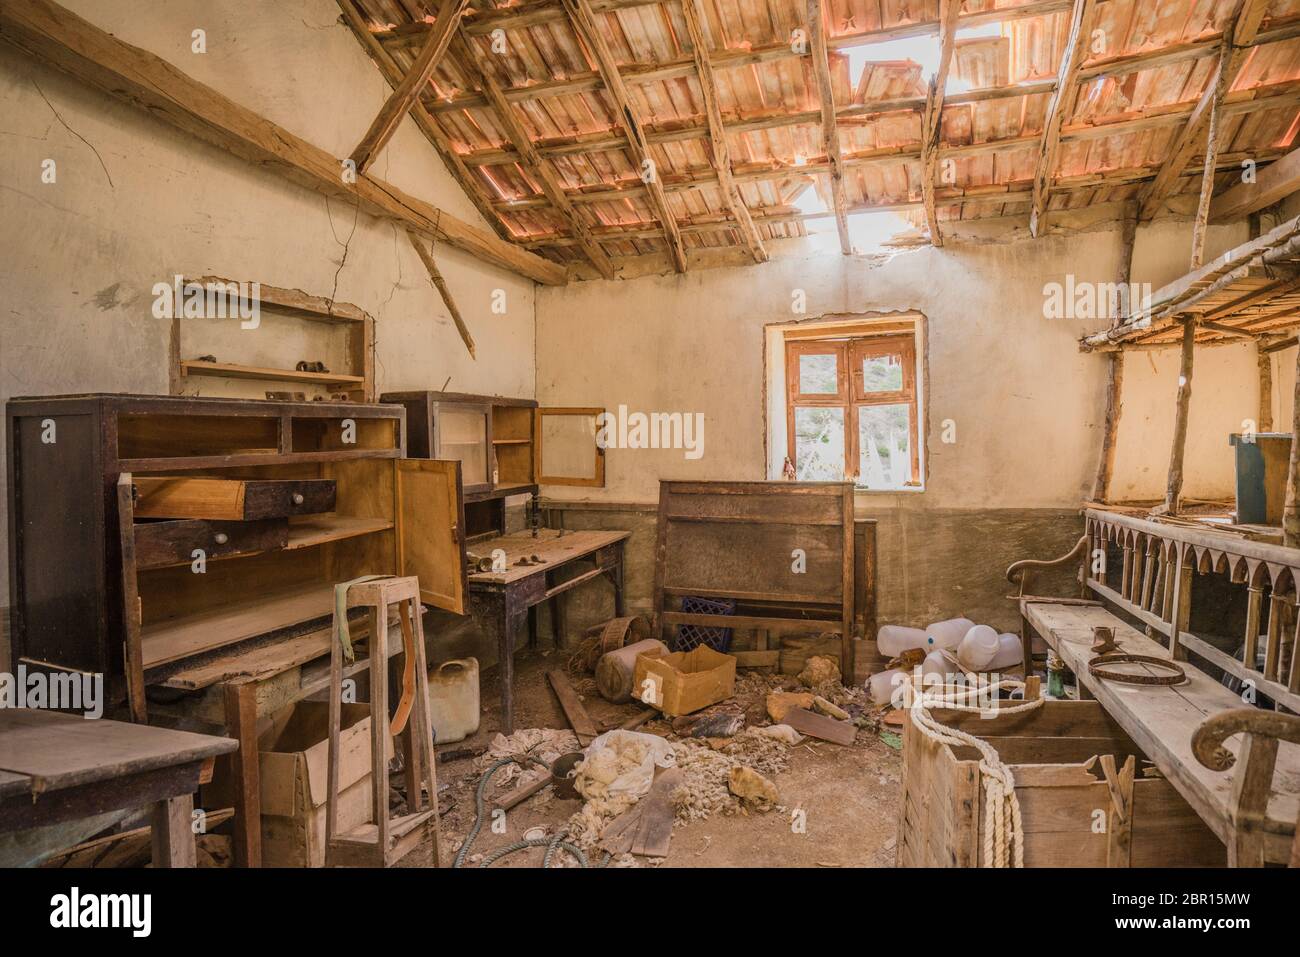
<point>693,13</point>
<point>57,36</point>
<point>469,182</point>
<point>1273,183</point>
<point>435,277</point>
<point>583,20</point>
<point>1061,106</point>
<point>1222,81</point>
<point>932,118</point>
<point>542,168</point>
<point>1236,46</point>
<point>412,85</point>
<point>830,130</point>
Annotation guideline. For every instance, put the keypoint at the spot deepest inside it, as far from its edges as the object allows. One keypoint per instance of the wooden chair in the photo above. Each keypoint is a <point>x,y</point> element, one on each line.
<point>385,840</point>
<point>1252,828</point>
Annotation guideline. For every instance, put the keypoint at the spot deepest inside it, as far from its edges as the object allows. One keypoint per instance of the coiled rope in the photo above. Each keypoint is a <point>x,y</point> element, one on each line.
<point>1004,843</point>
<point>552,844</point>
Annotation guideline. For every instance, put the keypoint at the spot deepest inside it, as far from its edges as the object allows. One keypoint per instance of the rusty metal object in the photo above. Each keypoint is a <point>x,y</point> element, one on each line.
<point>1103,639</point>
<point>563,771</point>
<point>1095,669</point>
<point>613,635</point>
<point>1207,740</point>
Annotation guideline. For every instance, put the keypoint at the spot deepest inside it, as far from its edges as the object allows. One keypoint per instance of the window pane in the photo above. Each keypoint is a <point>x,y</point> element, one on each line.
<point>817,375</point>
<point>819,444</point>
<point>882,373</point>
<point>884,445</point>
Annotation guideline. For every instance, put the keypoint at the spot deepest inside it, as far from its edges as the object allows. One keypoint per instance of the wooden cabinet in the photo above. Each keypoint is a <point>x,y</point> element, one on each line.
<point>263,507</point>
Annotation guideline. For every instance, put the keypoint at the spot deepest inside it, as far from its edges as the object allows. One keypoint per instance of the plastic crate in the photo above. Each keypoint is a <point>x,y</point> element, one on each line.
<point>691,636</point>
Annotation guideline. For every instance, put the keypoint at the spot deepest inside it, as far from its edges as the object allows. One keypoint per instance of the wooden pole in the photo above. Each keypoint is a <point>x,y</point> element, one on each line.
<point>1265,359</point>
<point>1291,510</point>
<point>1115,372</point>
<point>1222,80</point>
<point>435,276</point>
<point>1174,490</point>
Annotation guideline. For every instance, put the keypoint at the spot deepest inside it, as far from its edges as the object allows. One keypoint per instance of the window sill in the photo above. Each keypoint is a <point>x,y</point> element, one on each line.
<point>905,490</point>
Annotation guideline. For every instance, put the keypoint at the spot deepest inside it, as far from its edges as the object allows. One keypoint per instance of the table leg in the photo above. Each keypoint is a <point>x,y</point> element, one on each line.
<point>241,721</point>
<point>532,626</point>
<point>172,835</point>
<point>559,619</point>
<point>620,609</point>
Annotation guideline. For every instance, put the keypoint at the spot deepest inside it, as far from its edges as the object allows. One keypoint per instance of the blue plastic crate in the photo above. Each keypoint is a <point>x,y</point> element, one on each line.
<point>691,636</point>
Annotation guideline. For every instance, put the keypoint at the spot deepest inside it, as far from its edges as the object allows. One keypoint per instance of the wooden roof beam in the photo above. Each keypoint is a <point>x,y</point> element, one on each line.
<point>1061,106</point>
<point>830,132</point>
<point>406,94</point>
<point>1201,222</point>
<point>541,167</point>
<point>693,13</point>
<point>1273,183</point>
<point>932,118</point>
<point>1236,46</point>
<point>57,36</point>
<point>583,21</point>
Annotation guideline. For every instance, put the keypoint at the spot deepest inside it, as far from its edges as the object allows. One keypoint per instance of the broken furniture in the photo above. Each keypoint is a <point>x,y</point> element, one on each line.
<point>57,767</point>
<point>1071,762</point>
<point>1146,570</point>
<point>223,606</point>
<point>358,382</point>
<point>500,444</point>
<point>783,550</point>
<point>499,600</point>
<point>383,841</point>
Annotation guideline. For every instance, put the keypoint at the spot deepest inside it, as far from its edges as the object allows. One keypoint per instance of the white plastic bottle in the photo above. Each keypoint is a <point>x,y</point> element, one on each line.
<point>453,700</point>
<point>948,634</point>
<point>1010,652</point>
<point>978,648</point>
<point>893,640</point>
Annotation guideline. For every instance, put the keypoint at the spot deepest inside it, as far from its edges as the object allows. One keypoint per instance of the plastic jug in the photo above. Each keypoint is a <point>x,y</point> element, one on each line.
<point>893,640</point>
<point>978,649</point>
<point>948,634</point>
<point>453,700</point>
<point>881,685</point>
<point>1010,652</point>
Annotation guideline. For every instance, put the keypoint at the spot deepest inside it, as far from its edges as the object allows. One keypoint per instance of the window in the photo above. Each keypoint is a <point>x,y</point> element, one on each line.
<point>851,410</point>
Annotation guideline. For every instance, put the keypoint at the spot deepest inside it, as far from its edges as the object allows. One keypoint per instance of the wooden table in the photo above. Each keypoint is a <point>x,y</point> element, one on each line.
<point>500,600</point>
<point>58,767</point>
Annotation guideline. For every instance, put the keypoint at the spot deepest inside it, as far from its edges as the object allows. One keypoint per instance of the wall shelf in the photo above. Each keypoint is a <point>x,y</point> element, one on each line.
<point>234,371</point>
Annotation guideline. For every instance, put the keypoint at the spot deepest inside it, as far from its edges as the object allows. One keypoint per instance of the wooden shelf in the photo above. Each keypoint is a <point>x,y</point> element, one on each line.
<point>167,641</point>
<point>295,302</point>
<point>512,441</point>
<point>309,530</point>
<point>232,371</point>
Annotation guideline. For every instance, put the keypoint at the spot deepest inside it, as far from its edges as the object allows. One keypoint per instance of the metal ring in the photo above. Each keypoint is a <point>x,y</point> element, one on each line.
<point>1178,677</point>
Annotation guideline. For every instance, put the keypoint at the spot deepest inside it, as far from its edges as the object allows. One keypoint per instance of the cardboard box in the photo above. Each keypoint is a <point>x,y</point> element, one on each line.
<point>294,765</point>
<point>684,681</point>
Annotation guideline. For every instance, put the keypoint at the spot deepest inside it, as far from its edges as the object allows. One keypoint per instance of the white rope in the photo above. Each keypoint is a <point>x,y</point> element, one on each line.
<point>1003,837</point>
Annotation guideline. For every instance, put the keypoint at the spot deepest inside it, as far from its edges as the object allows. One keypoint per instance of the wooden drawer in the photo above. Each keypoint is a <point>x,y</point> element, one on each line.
<point>230,499</point>
<point>158,544</point>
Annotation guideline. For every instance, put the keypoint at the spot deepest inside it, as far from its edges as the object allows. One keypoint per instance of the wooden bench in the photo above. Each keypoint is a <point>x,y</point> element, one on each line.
<point>1252,812</point>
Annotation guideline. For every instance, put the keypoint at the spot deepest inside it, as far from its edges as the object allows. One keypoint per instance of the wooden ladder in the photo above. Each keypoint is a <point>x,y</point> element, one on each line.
<point>384,840</point>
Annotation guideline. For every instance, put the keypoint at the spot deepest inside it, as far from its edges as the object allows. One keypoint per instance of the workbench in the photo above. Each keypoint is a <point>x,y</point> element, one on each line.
<point>499,600</point>
<point>57,767</point>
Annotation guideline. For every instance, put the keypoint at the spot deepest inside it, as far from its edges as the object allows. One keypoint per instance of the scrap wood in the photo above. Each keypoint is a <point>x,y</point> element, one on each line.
<point>820,726</point>
<point>619,833</point>
<point>523,792</point>
<point>654,831</point>
<point>638,719</point>
<point>435,276</point>
<point>583,726</point>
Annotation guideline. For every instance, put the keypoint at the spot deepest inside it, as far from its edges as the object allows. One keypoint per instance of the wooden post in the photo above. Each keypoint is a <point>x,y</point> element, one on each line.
<point>1222,80</point>
<point>241,721</point>
<point>1174,489</point>
<point>1264,423</point>
<point>435,276</point>
<point>1122,310</point>
<point>1291,510</point>
<point>171,832</point>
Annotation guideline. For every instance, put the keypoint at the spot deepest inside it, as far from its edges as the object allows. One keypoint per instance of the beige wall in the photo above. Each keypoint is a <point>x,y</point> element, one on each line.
<point>80,256</point>
<point>1027,404</point>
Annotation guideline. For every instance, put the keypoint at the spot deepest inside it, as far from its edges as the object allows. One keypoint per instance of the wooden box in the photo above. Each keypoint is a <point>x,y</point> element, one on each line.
<point>1069,813</point>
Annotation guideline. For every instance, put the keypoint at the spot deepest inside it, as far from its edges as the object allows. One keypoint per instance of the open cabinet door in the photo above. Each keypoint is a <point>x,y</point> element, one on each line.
<point>565,449</point>
<point>430,511</point>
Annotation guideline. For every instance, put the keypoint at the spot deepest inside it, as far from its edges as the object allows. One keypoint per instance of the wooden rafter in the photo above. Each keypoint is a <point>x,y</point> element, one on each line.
<point>830,131</point>
<point>392,72</point>
<point>1219,87</point>
<point>406,94</point>
<point>541,167</point>
<point>1236,46</point>
<point>1061,106</point>
<point>1273,183</point>
<point>57,36</point>
<point>435,277</point>
<point>693,14</point>
<point>932,118</point>
<point>583,21</point>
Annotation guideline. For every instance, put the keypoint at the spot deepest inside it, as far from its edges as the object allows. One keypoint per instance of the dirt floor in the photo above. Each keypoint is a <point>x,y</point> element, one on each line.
<point>838,805</point>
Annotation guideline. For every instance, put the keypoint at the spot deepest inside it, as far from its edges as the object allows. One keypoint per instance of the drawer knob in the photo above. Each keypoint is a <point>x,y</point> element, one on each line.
<point>222,538</point>
<point>297,498</point>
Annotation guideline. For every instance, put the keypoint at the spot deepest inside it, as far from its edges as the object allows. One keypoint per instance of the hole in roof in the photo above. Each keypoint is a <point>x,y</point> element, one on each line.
<point>868,232</point>
<point>921,50</point>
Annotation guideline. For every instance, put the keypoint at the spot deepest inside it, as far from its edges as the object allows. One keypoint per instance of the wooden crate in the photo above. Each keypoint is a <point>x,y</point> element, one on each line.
<point>1069,817</point>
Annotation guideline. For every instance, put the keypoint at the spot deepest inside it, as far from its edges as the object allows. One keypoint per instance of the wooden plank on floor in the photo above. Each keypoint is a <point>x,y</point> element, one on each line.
<point>583,726</point>
<point>654,833</point>
<point>821,726</point>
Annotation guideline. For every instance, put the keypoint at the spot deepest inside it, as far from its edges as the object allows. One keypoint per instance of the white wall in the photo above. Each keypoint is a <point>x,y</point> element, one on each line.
<point>1027,404</point>
<point>78,257</point>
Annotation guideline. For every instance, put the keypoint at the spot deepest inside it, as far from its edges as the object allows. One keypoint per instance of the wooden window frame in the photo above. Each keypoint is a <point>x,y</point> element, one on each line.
<point>851,395</point>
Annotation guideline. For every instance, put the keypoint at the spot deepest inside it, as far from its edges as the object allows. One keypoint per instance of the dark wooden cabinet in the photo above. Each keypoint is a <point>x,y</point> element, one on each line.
<point>324,495</point>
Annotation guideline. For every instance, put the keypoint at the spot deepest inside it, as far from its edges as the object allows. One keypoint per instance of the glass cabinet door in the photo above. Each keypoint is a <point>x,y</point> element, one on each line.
<point>462,434</point>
